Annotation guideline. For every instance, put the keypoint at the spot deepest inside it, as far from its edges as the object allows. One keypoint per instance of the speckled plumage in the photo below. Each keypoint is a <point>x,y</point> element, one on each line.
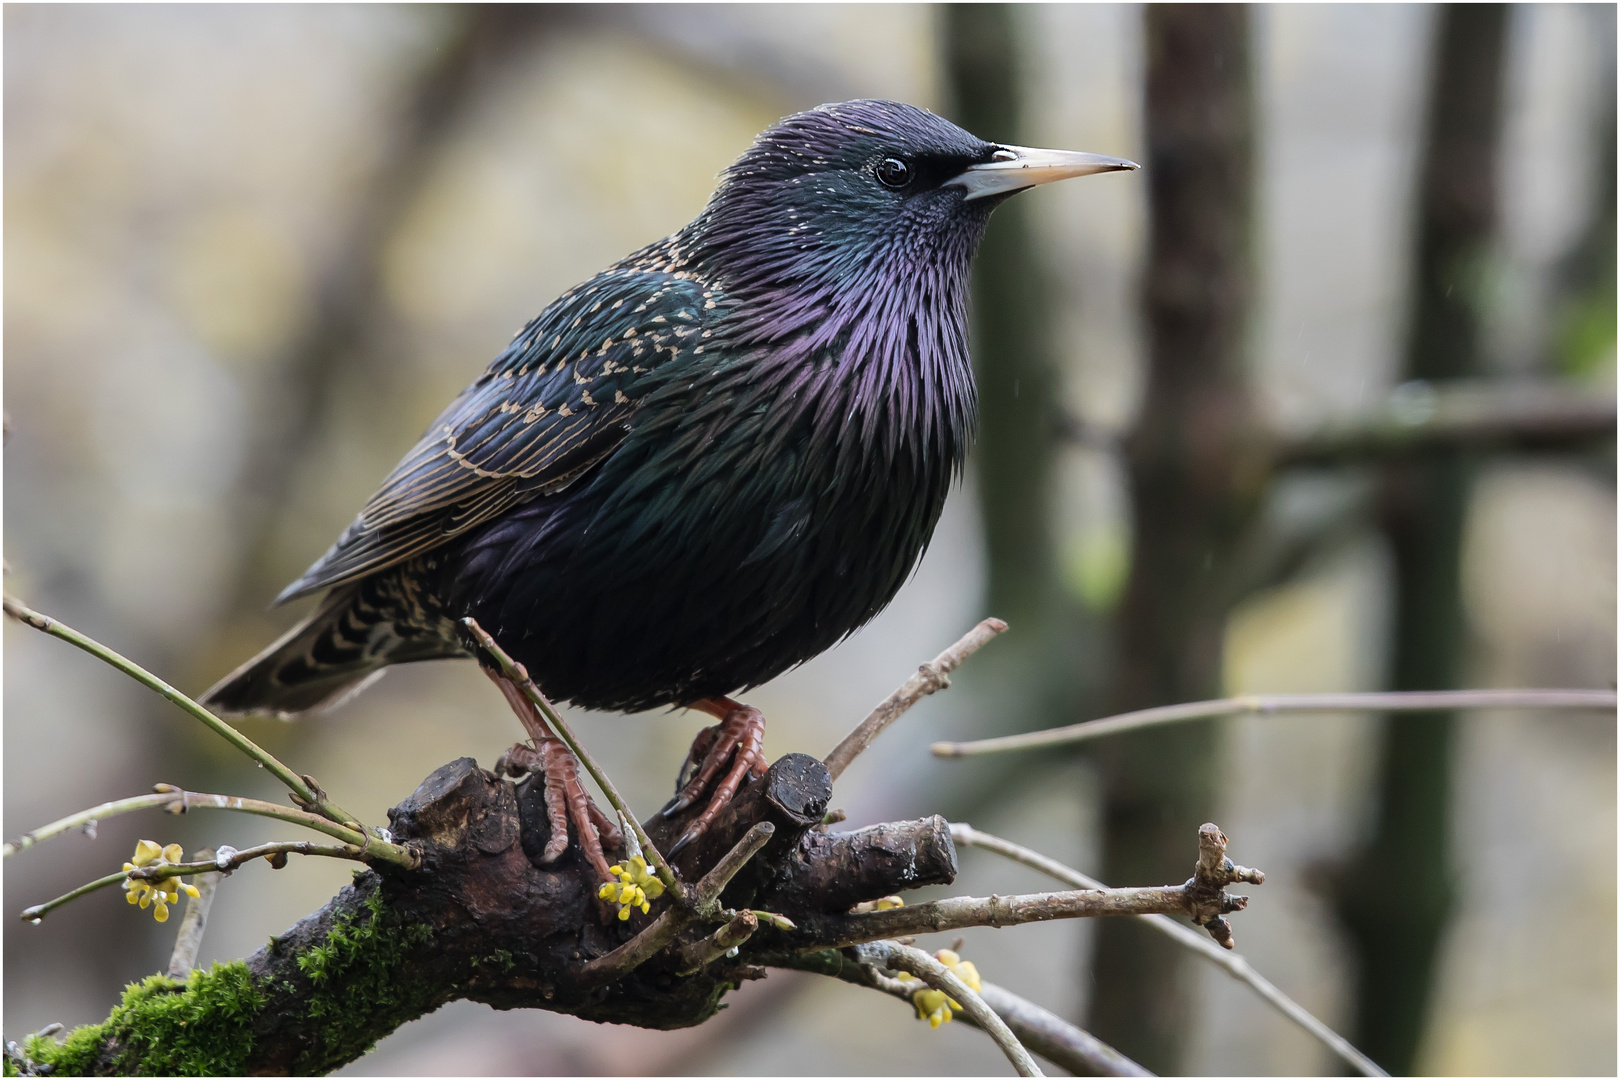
<point>699,468</point>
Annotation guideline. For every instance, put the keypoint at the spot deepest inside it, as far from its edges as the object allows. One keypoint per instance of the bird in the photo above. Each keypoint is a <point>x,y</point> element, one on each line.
<point>705,465</point>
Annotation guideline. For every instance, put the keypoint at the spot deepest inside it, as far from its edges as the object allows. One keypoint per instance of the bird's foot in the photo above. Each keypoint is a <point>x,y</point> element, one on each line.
<point>566,801</point>
<point>738,739</point>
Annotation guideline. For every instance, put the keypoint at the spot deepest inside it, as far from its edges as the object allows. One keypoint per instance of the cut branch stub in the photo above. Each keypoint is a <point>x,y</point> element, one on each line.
<point>835,871</point>
<point>1207,899</point>
<point>792,795</point>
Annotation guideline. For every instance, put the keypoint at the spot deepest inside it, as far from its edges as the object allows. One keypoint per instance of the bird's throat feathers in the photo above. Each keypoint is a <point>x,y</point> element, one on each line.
<point>850,305</point>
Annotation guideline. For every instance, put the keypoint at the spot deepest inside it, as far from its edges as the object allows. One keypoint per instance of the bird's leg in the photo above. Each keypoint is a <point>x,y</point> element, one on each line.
<point>566,797</point>
<point>738,739</point>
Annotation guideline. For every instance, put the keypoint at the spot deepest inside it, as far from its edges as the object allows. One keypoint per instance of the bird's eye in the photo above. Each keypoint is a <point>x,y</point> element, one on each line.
<point>893,172</point>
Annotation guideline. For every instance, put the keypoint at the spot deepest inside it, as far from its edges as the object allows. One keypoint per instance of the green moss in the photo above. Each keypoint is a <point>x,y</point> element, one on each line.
<point>202,1027</point>
<point>362,983</point>
<point>500,958</point>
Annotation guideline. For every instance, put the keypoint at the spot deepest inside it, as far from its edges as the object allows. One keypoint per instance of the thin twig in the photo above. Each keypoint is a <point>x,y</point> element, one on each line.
<point>1232,963</point>
<point>937,975</point>
<point>177,800</point>
<point>373,848</point>
<point>188,942</point>
<point>1052,1037</point>
<point>769,918</point>
<point>88,818</point>
<point>932,676</point>
<point>731,863</point>
<point>1055,1039</point>
<point>1397,701</point>
<point>518,675</point>
<point>664,929</point>
<point>959,912</point>
<point>307,794</point>
<point>705,951</point>
<point>222,862</point>
<point>39,911</point>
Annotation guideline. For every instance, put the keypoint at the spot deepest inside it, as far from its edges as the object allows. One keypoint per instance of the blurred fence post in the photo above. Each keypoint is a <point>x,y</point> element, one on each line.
<point>1196,472</point>
<point>1397,930</point>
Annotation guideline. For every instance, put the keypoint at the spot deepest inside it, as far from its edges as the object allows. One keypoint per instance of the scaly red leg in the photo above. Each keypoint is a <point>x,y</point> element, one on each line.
<point>739,739</point>
<point>566,797</point>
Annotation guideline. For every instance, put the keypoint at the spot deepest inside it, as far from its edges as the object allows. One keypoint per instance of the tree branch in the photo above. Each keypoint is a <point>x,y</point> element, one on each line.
<point>192,924</point>
<point>1422,417</point>
<point>1267,704</point>
<point>305,791</point>
<point>484,920</point>
<point>932,676</point>
<point>937,975</point>
<point>519,676</point>
<point>1045,1033</point>
<point>1231,962</point>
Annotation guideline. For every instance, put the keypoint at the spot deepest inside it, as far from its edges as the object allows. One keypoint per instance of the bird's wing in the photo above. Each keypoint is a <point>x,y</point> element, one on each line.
<point>559,400</point>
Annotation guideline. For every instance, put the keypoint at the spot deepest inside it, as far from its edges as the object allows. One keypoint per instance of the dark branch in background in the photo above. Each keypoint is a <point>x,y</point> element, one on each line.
<point>1055,657</point>
<point>1424,500</point>
<point>1441,417</point>
<point>1197,470</point>
<point>1509,416</point>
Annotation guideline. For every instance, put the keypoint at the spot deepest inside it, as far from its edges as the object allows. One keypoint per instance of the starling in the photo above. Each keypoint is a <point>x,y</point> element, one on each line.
<point>700,468</point>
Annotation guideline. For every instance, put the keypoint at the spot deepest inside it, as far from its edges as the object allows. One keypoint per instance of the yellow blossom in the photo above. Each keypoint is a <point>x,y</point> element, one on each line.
<point>933,1005</point>
<point>157,895</point>
<point>633,888</point>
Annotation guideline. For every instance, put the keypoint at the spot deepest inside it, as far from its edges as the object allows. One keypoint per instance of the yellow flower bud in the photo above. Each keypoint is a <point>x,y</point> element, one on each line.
<point>173,853</point>
<point>191,891</point>
<point>146,852</point>
<point>161,913</point>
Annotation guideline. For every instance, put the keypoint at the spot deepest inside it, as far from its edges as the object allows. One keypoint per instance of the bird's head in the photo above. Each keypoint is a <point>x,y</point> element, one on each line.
<point>830,191</point>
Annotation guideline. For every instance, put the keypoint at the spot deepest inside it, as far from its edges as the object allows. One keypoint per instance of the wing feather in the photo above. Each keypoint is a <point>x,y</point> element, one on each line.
<point>557,402</point>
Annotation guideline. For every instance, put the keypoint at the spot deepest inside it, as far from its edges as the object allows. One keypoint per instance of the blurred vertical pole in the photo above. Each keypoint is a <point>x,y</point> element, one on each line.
<point>1583,327</point>
<point>1011,336</point>
<point>1396,896</point>
<point>1195,475</point>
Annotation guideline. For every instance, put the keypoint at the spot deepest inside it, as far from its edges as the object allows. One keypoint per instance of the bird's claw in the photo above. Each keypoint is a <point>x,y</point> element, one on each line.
<point>567,802</point>
<point>739,738</point>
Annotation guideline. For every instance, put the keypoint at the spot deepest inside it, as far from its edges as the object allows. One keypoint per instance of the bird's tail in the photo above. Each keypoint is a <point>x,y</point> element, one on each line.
<point>339,650</point>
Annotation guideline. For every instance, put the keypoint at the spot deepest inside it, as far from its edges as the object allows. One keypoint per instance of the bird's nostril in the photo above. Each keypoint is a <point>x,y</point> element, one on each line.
<point>1004,155</point>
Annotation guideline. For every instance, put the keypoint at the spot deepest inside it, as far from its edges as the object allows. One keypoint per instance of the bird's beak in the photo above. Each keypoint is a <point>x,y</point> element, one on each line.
<point>1014,168</point>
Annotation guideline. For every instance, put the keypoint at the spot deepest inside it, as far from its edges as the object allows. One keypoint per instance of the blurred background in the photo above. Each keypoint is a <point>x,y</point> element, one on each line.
<point>1321,400</point>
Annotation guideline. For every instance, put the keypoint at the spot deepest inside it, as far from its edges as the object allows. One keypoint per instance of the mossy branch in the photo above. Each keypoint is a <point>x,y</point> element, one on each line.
<point>486,921</point>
